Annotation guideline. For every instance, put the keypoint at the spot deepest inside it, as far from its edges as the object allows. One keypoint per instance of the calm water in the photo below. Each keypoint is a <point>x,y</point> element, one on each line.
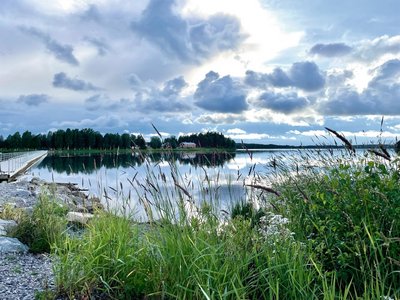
<point>114,178</point>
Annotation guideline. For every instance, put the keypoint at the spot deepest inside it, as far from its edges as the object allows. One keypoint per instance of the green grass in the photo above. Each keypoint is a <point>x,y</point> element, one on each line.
<point>326,232</point>
<point>44,226</point>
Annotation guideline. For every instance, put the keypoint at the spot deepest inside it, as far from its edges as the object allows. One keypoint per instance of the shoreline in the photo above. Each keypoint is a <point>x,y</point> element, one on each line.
<point>25,274</point>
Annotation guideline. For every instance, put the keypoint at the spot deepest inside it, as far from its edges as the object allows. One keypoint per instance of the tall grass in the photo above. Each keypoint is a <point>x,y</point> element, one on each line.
<point>323,226</point>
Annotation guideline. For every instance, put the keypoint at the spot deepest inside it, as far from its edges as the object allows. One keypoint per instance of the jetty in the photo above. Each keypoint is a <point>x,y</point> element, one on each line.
<point>14,164</point>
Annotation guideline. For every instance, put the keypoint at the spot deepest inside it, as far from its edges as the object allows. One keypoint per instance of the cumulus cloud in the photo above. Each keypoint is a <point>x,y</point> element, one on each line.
<point>302,75</point>
<point>368,50</point>
<point>307,76</point>
<point>174,86</point>
<point>188,39</point>
<point>33,99</point>
<point>220,94</point>
<point>150,98</point>
<point>283,103</point>
<point>61,80</point>
<point>380,97</point>
<point>331,50</point>
<point>61,52</point>
<point>386,73</point>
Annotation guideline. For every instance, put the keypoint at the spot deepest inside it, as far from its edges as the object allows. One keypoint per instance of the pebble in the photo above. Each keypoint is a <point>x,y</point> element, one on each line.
<point>22,276</point>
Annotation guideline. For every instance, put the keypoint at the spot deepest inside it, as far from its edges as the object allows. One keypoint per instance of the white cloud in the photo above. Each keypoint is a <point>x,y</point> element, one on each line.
<point>236,131</point>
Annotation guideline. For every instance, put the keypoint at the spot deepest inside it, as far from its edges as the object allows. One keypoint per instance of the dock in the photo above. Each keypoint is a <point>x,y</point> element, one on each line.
<point>14,164</point>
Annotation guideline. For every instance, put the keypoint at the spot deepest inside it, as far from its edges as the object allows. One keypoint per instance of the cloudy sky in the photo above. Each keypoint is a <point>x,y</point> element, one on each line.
<point>266,71</point>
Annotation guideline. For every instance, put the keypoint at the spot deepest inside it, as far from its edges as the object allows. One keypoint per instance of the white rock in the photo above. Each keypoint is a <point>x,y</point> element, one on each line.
<point>77,217</point>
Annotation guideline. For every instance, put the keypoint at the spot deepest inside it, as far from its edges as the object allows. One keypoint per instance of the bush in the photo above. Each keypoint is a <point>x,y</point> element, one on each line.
<point>45,226</point>
<point>350,218</point>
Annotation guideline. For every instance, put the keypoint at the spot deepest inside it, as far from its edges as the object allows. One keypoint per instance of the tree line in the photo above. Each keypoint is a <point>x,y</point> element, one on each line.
<point>87,138</point>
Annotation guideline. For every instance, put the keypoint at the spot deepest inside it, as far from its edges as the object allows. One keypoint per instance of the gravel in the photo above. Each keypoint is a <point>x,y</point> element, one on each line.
<point>22,276</point>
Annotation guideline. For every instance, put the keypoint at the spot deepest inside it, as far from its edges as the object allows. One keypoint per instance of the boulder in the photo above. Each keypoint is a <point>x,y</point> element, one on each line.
<point>78,217</point>
<point>12,245</point>
<point>21,193</point>
<point>6,225</point>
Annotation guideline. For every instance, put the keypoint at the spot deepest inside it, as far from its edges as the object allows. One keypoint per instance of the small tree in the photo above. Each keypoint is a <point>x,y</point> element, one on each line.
<point>155,142</point>
<point>171,142</point>
<point>140,142</point>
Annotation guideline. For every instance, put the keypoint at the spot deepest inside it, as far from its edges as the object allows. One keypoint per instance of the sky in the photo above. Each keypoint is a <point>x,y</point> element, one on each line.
<point>261,71</point>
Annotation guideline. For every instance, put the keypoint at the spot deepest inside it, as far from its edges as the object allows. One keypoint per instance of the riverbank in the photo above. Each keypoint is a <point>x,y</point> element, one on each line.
<point>24,274</point>
<point>325,232</point>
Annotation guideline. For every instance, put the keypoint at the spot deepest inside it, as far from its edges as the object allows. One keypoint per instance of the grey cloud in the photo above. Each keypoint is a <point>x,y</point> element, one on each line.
<point>166,100</point>
<point>220,94</point>
<point>279,78</point>
<point>33,99</point>
<point>61,80</point>
<point>386,73</point>
<point>92,14</point>
<point>103,102</point>
<point>61,52</point>
<point>381,97</point>
<point>339,78</point>
<point>102,47</point>
<point>331,50</point>
<point>161,104</point>
<point>147,98</point>
<point>284,103</point>
<point>174,86</point>
<point>220,32</point>
<point>368,50</point>
<point>346,102</point>
<point>307,76</point>
<point>303,75</point>
<point>189,40</point>
<point>109,121</point>
<point>220,119</point>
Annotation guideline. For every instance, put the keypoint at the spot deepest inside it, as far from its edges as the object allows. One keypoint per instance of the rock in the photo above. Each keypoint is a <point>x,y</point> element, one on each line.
<point>6,225</point>
<point>22,193</point>
<point>77,217</point>
<point>12,245</point>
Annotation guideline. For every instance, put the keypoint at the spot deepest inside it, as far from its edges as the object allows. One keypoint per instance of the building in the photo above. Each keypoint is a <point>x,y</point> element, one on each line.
<point>187,145</point>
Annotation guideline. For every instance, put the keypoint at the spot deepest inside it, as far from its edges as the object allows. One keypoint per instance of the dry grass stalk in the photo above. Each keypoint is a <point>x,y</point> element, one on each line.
<point>264,188</point>
<point>343,139</point>
<point>381,154</point>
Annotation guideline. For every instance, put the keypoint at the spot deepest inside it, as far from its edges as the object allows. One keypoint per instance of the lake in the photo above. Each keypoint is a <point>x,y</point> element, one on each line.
<point>122,180</point>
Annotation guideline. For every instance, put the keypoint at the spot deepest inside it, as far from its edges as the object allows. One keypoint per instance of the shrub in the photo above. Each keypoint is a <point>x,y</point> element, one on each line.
<point>349,217</point>
<point>41,229</point>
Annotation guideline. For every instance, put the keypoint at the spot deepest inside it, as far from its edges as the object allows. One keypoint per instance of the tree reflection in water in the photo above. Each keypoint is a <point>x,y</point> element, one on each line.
<point>87,164</point>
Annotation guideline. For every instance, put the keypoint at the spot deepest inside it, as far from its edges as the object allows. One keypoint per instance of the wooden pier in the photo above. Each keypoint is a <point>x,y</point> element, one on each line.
<point>16,163</point>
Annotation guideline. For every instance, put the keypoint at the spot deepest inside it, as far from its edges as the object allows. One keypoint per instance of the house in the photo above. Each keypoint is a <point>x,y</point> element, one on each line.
<point>187,145</point>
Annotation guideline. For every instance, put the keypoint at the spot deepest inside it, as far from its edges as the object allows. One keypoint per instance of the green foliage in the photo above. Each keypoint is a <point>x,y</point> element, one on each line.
<point>155,142</point>
<point>349,217</point>
<point>209,140</point>
<point>140,142</point>
<point>247,211</point>
<point>45,226</point>
<point>131,261</point>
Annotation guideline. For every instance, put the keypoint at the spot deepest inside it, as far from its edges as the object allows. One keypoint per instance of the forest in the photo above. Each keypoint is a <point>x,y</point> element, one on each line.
<point>71,139</point>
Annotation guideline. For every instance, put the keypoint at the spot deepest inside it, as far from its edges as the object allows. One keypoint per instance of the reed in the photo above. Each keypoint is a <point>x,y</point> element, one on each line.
<point>317,225</point>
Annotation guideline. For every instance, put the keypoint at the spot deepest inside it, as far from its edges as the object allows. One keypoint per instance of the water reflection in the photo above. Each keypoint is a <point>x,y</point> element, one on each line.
<point>87,164</point>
